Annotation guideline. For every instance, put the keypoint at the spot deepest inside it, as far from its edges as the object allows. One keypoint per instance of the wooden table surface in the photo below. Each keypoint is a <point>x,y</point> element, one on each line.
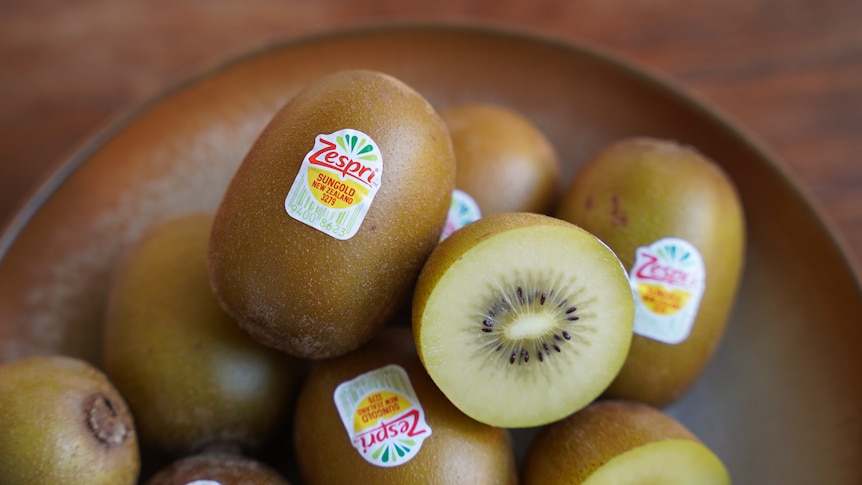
<point>789,70</point>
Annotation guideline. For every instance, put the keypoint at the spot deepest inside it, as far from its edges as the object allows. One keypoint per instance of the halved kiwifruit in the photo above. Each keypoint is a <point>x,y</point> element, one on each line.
<point>620,442</point>
<point>522,319</point>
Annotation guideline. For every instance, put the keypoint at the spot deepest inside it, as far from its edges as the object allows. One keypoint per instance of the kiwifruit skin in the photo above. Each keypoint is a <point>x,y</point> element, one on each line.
<point>570,450</point>
<point>298,289</point>
<point>44,434</point>
<point>224,468</point>
<point>191,376</point>
<point>503,160</point>
<point>636,191</point>
<point>459,450</point>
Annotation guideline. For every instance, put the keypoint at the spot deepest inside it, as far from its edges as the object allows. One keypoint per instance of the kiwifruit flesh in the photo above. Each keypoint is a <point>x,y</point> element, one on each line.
<point>504,161</point>
<point>191,376</point>
<point>449,446</point>
<point>301,288</point>
<point>614,442</point>
<point>62,422</point>
<point>217,468</point>
<point>522,319</point>
<point>675,220</point>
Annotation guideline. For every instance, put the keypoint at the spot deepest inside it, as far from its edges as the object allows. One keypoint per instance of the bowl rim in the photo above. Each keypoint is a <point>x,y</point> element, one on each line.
<point>66,165</point>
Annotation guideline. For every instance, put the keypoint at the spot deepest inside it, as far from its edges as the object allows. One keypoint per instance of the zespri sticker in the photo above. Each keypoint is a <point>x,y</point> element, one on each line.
<point>668,279</point>
<point>382,416</point>
<point>336,183</point>
<point>462,211</point>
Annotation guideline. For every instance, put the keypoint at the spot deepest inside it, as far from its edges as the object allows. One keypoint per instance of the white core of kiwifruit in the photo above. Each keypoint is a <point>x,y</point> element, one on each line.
<point>666,462</point>
<point>572,269</point>
<point>529,325</point>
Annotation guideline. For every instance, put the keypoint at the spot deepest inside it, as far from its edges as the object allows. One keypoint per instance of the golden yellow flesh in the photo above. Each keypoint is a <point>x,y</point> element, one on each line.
<point>482,380</point>
<point>667,462</point>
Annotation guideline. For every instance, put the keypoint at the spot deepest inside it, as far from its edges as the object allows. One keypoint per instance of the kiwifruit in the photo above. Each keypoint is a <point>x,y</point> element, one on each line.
<point>674,219</point>
<point>617,442</point>
<point>282,258</point>
<point>522,319</point>
<point>504,161</point>
<point>62,422</point>
<point>217,468</point>
<point>354,415</point>
<point>191,376</point>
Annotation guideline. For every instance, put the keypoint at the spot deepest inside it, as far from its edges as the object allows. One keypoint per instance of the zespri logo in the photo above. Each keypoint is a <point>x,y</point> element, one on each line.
<point>349,153</point>
<point>382,416</point>
<point>336,183</point>
<point>668,279</point>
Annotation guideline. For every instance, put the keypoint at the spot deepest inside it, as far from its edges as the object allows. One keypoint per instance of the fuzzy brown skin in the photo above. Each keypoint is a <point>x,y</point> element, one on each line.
<point>637,191</point>
<point>459,450</point>
<point>62,422</point>
<point>569,451</point>
<point>190,375</point>
<point>298,289</point>
<point>224,468</point>
<point>504,161</point>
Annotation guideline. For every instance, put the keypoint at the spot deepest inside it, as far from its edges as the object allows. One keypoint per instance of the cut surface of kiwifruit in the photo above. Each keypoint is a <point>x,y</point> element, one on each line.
<point>665,462</point>
<point>522,319</point>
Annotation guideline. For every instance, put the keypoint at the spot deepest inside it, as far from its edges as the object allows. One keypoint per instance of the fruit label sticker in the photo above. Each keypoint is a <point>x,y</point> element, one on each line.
<point>336,183</point>
<point>667,279</point>
<point>462,211</point>
<point>382,416</point>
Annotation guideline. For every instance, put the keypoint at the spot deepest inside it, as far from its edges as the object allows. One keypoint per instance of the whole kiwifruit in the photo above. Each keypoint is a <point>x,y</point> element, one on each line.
<point>521,319</point>
<point>676,222</point>
<point>62,422</point>
<point>191,376</point>
<point>217,468</point>
<point>374,416</point>
<point>504,161</point>
<point>294,255</point>
<point>620,443</point>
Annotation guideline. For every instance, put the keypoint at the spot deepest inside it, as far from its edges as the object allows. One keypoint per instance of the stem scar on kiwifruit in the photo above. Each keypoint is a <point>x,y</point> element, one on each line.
<point>108,424</point>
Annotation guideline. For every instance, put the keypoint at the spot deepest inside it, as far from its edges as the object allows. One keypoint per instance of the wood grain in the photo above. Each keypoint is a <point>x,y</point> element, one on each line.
<point>790,71</point>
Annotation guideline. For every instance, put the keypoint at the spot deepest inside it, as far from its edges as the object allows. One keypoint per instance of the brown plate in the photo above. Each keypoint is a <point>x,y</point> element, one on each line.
<point>780,403</point>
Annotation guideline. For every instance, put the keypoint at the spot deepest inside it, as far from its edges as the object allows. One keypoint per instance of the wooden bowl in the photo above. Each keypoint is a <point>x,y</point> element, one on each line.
<point>779,403</point>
